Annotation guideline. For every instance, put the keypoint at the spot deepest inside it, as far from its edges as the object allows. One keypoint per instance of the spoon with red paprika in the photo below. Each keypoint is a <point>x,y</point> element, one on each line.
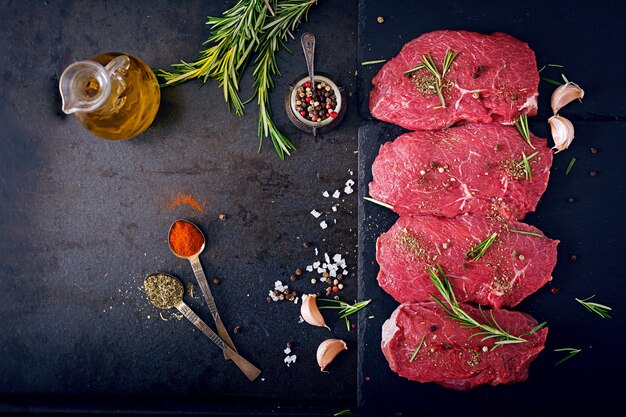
<point>187,242</point>
<point>165,291</point>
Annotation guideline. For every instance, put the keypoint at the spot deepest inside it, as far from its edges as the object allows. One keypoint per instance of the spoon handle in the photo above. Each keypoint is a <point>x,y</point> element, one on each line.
<point>208,296</point>
<point>246,367</point>
<point>308,46</point>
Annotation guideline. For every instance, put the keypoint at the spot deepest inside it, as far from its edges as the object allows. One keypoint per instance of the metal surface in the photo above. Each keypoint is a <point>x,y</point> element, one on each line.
<point>308,47</point>
<point>83,220</point>
<point>579,209</point>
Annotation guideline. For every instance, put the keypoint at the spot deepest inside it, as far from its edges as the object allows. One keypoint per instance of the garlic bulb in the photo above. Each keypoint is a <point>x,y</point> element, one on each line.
<point>327,351</point>
<point>564,95</point>
<point>310,313</point>
<point>562,132</point>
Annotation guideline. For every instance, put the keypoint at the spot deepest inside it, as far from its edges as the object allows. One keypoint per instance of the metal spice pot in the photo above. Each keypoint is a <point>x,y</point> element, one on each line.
<point>318,126</point>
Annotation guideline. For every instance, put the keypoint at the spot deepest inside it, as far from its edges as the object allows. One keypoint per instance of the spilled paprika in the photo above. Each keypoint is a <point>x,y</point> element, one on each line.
<point>185,239</point>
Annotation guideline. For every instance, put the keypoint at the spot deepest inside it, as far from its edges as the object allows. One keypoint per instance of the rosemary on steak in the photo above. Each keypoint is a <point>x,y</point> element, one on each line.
<point>250,27</point>
<point>345,309</point>
<point>429,63</point>
<point>490,329</point>
<point>479,250</point>
<point>522,232</point>
<point>417,349</point>
<point>523,129</point>
<point>600,309</point>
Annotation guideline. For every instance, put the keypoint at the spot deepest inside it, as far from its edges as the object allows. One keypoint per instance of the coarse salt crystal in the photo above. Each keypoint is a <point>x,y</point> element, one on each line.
<point>315,213</point>
<point>323,279</point>
<point>348,190</point>
<point>323,225</point>
<point>327,258</point>
<point>320,270</point>
<point>316,264</point>
<point>316,252</point>
<point>349,183</point>
<point>296,300</point>
<point>300,320</point>
<point>333,273</point>
<point>309,268</point>
<point>334,208</point>
<point>287,351</point>
<point>336,194</point>
<point>337,257</point>
<point>325,194</point>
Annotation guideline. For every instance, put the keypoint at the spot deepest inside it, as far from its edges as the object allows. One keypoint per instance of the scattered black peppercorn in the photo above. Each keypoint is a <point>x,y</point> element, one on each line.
<point>593,173</point>
<point>306,245</point>
<point>222,217</point>
<point>293,278</point>
<point>573,257</point>
<point>481,68</point>
<point>571,200</point>
<point>298,271</point>
<point>237,329</point>
<point>594,150</point>
<point>475,75</point>
<point>216,281</point>
<point>433,328</point>
<point>447,346</point>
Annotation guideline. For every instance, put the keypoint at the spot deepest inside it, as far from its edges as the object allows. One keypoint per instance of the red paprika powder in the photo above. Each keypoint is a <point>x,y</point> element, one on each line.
<point>185,239</point>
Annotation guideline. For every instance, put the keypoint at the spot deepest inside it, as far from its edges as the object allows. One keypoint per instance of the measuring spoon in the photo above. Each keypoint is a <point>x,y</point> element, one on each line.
<point>175,300</point>
<point>194,260</point>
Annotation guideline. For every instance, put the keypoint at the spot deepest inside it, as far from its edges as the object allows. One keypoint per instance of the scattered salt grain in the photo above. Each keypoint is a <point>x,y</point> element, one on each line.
<point>316,264</point>
<point>287,351</point>
<point>316,252</point>
<point>336,194</point>
<point>300,320</point>
<point>323,225</point>
<point>337,257</point>
<point>309,268</point>
<point>334,208</point>
<point>315,213</point>
<point>348,190</point>
<point>349,183</point>
<point>290,359</point>
<point>325,194</point>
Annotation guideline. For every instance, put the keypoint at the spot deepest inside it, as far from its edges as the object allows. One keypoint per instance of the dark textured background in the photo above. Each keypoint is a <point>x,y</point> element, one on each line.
<point>83,220</point>
<point>584,37</point>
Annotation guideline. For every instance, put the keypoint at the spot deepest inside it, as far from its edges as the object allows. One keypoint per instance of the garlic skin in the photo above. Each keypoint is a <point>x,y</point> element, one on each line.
<point>310,313</point>
<point>327,350</point>
<point>564,95</point>
<point>562,132</point>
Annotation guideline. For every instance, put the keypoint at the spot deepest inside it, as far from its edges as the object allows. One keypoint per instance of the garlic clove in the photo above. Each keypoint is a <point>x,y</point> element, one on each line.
<point>327,350</point>
<point>310,313</point>
<point>564,95</point>
<point>562,132</point>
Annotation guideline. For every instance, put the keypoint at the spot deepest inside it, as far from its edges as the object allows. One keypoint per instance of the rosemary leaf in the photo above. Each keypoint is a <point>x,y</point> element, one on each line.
<point>378,61</point>
<point>572,352</point>
<point>380,203</point>
<point>417,349</point>
<point>522,232</point>
<point>569,167</point>
<point>479,250</point>
<point>523,129</point>
<point>600,309</point>
<point>550,81</point>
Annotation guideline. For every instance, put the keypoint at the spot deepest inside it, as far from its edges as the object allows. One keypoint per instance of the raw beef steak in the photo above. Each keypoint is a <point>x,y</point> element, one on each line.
<point>474,168</point>
<point>448,356</point>
<point>513,267</point>
<point>493,78</point>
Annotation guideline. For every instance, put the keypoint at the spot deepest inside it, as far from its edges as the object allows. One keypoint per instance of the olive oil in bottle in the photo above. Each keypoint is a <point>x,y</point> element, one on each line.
<point>113,95</point>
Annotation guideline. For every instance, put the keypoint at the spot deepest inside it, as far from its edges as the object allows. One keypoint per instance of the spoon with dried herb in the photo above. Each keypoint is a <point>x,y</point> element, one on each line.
<point>187,242</point>
<point>165,291</point>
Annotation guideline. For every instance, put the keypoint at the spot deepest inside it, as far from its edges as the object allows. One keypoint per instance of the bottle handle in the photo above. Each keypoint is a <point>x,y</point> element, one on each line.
<point>117,70</point>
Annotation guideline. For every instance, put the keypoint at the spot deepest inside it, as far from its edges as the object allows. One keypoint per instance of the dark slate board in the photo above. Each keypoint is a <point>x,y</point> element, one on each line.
<point>592,227</point>
<point>83,220</point>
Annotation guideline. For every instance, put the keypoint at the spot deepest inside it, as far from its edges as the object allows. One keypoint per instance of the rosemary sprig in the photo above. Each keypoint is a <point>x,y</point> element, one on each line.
<point>599,309</point>
<point>429,63</point>
<point>569,167</point>
<point>343,412</point>
<point>380,203</point>
<point>377,61</point>
<point>551,81</point>
<point>525,162</point>
<point>522,232</point>
<point>345,309</point>
<point>417,349</point>
<point>572,352</point>
<point>249,27</point>
<point>489,330</point>
<point>479,250</point>
<point>523,129</point>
